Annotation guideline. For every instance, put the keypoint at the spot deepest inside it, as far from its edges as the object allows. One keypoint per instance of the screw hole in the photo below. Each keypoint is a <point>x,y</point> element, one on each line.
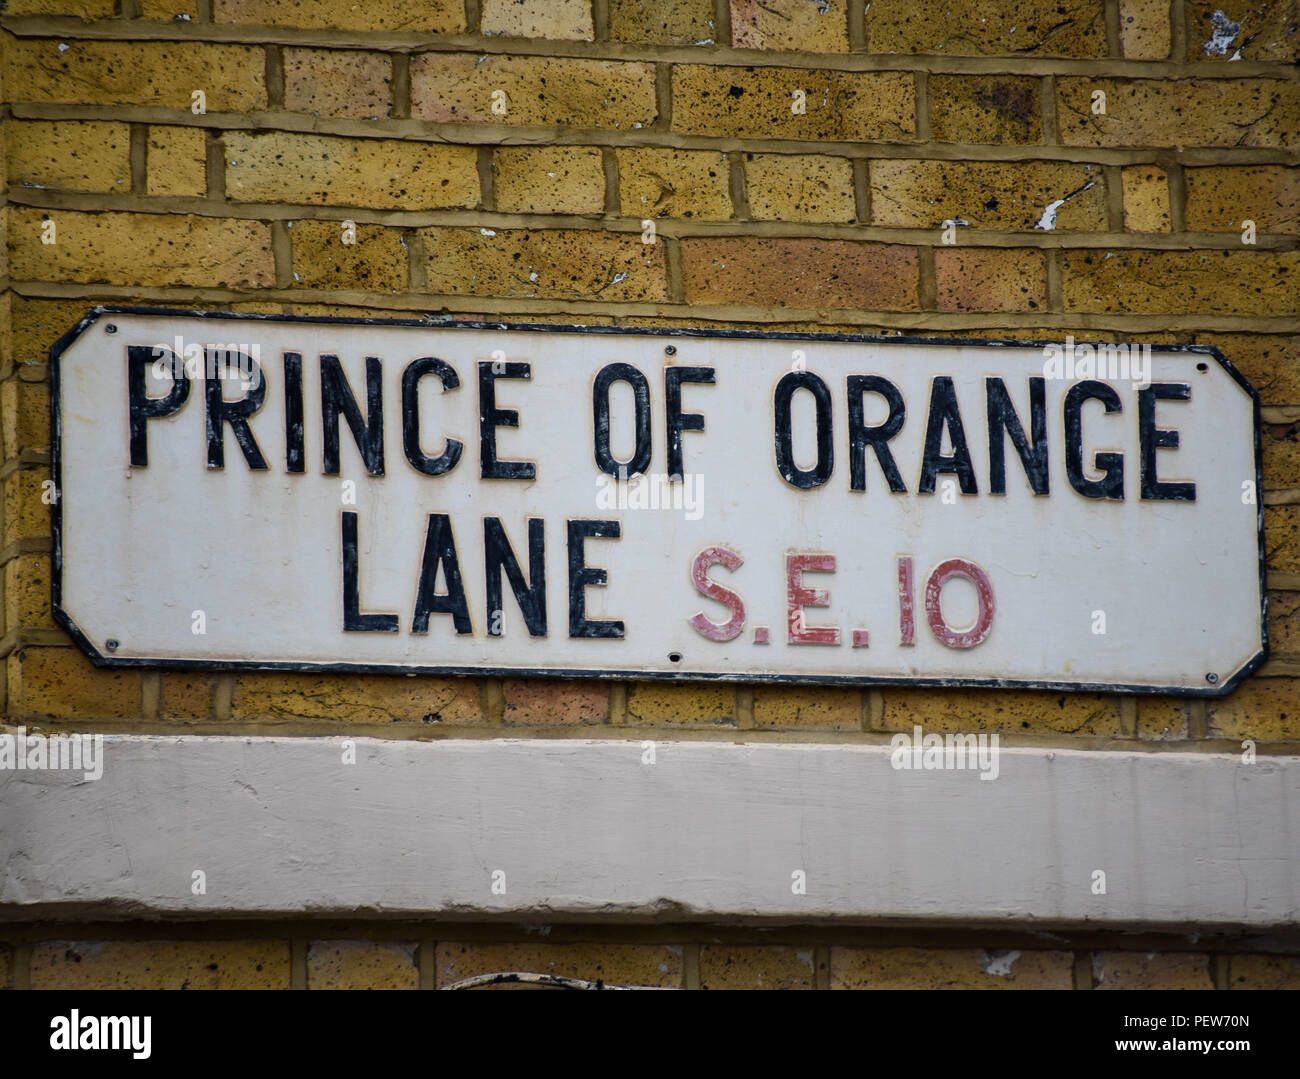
<point>110,328</point>
<point>671,350</point>
<point>1202,366</point>
<point>111,644</point>
<point>674,657</point>
<point>1212,678</point>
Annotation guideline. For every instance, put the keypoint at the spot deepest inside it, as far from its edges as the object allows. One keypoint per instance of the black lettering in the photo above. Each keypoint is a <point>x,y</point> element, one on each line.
<point>1152,438</point>
<point>861,436</point>
<point>440,550</point>
<point>353,620</point>
<point>679,421</point>
<point>785,462</point>
<point>581,575</point>
<point>498,557</point>
<point>338,400</point>
<point>141,408</point>
<point>221,412</point>
<point>295,455</point>
<point>944,414</point>
<point>1003,421</point>
<point>416,370</point>
<point>490,418</point>
<point>1111,485</point>
<point>605,459</point>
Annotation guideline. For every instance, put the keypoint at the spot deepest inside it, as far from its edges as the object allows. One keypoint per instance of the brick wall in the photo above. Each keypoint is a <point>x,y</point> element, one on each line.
<point>468,140</point>
<point>261,956</point>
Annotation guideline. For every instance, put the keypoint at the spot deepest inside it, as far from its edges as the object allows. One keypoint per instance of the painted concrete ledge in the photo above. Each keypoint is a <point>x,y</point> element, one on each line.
<point>585,829</point>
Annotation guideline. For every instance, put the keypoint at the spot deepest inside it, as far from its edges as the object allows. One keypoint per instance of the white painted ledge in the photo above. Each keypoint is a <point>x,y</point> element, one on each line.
<point>584,829</point>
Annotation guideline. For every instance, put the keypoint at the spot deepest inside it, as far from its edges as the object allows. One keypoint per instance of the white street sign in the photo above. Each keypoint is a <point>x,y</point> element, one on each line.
<point>330,494</point>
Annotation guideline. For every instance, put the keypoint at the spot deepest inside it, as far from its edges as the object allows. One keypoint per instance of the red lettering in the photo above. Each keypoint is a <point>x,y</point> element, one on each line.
<point>717,631</point>
<point>906,614</point>
<point>946,571</point>
<point>798,597</point>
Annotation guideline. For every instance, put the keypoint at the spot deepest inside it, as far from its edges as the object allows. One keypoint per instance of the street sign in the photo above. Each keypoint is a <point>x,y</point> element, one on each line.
<point>281,492</point>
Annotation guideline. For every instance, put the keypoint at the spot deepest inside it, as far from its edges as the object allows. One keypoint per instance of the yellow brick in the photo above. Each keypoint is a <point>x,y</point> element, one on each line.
<point>377,260</point>
<point>1138,970</point>
<point>949,968</point>
<point>27,593</point>
<point>328,82</point>
<point>177,162</point>
<point>142,249</point>
<point>61,683</point>
<point>799,187</point>
<point>1247,282</point>
<point>1220,199</point>
<point>1146,199</point>
<point>435,16</point>
<point>170,10</point>
<point>799,272</point>
<point>550,264</point>
<point>666,703</point>
<point>1281,444</point>
<point>614,964</point>
<point>742,967</point>
<point>68,155</point>
<point>1209,112</point>
<point>551,701</point>
<point>550,180</point>
<point>376,698</point>
<point>1012,710</point>
<point>84,9</point>
<point>790,25</point>
<point>322,310</point>
<point>186,695</point>
<point>985,108</point>
<point>1266,709</point>
<point>320,169</point>
<point>1284,623</point>
<point>1282,538</point>
<point>860,106</point>
<point>1220,31</point>
<point>6,317</point>
<point>137,73</point>
<point>1038,333</point>
<point>988,195</point>
<point>1270,363</point>
<point>37,324</point>
<point>26,509</point>
<point>674,183</point>
<point>662,22</point>
<point>1264,972</point>
<point>1027,27</point>
<point>25,407</point>
<point>360,964</point>
<point>556,20</point>
<point>1144,29</point>
<point>1162,719</point>
<point>132,964</point>
<point>990,279</point>
<point>538,90</point>
<point>808,707</point>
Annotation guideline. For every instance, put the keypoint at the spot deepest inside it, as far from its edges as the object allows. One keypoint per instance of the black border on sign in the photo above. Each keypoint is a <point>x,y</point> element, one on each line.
<point>65,620</point>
